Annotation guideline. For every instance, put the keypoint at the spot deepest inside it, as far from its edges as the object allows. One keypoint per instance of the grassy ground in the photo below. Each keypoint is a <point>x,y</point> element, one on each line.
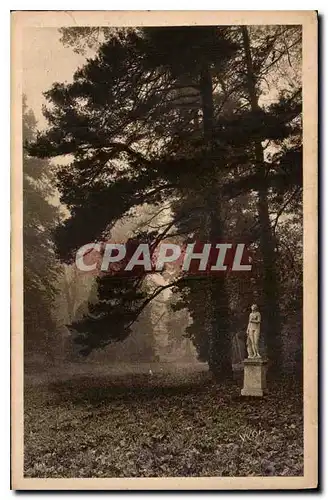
<point>162,425</point>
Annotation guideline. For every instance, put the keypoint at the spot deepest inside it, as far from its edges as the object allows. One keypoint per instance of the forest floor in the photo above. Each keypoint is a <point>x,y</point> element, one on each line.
<point>167,424</point>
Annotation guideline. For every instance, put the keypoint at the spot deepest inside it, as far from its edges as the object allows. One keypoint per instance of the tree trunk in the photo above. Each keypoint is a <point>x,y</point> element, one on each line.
<point>271,315</point>
<point>219,342</point>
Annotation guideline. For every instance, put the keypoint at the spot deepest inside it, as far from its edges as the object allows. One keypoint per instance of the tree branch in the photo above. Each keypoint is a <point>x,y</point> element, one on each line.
<point>297,190</point>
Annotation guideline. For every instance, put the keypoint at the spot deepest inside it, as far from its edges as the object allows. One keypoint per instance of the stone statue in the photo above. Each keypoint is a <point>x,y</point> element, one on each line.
<point>253,333</point>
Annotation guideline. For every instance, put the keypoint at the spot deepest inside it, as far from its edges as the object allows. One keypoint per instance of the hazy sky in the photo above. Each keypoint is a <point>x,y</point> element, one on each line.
<point>45,60</point>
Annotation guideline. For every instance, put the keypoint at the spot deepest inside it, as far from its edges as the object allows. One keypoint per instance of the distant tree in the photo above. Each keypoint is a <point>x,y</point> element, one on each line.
<point>41,269</point>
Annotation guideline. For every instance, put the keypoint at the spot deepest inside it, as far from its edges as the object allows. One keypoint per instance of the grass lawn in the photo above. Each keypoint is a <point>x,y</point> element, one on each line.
<point>164,425</point>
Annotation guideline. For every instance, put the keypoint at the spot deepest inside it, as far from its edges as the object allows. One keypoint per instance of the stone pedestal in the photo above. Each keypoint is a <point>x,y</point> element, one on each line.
<point>255,370</point>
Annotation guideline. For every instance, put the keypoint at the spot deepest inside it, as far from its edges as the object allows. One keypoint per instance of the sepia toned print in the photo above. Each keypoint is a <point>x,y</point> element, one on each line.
<point>164,205</point>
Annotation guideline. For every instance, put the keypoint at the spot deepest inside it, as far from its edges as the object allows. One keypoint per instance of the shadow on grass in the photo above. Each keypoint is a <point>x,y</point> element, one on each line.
<point>142,388</point>
<point>128,388</point>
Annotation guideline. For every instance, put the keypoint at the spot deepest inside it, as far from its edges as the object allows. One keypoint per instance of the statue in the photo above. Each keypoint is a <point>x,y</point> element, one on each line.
<point>255,367</point>
<point>253,333</point>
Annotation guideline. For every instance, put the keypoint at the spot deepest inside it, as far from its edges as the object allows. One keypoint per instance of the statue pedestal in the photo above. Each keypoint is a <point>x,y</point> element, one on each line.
<point>255,370</point>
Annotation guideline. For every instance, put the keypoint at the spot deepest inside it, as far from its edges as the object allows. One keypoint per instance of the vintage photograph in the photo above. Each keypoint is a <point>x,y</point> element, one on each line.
<point>162,231</point>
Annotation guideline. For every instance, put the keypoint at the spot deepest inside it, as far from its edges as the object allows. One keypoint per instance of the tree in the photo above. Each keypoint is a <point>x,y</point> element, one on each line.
<point>41,268</point>
<point>250,130</point>
<point>158,110</point>
<point>270,279</point>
